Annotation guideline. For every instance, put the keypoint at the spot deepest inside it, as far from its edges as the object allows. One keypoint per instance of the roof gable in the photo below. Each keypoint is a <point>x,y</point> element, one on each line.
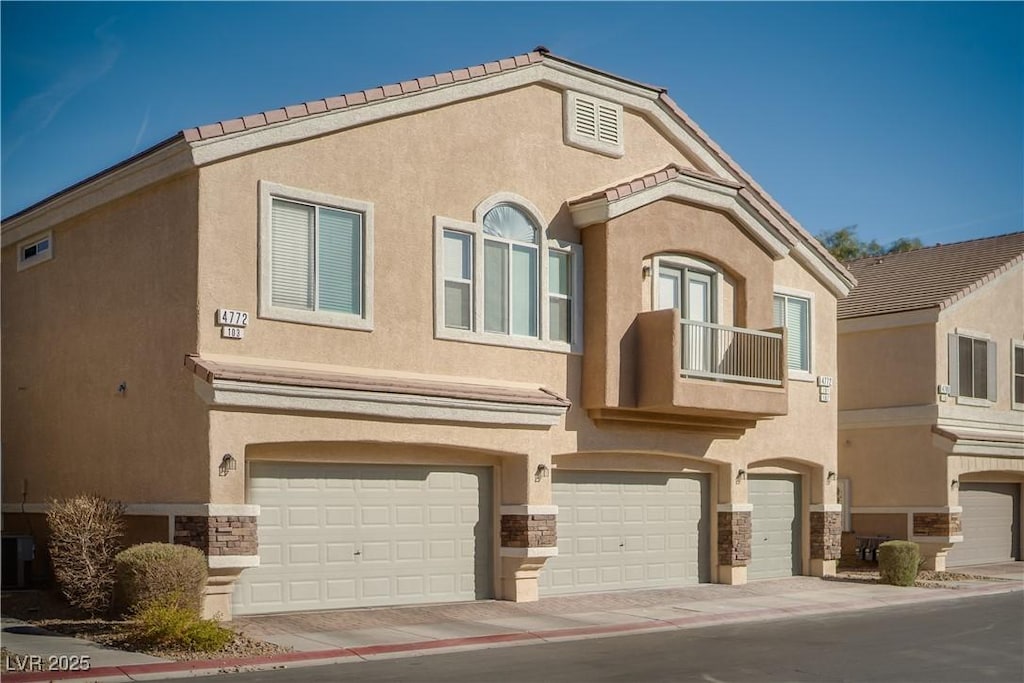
<point>932,277</point>
<point>224,139</point>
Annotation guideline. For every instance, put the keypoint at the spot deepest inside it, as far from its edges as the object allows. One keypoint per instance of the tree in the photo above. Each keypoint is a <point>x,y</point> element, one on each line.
<point>844,245</point>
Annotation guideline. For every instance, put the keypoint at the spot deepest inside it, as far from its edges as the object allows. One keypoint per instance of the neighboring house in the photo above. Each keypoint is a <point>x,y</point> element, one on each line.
<point>931,420</point>
<point>385,347</point>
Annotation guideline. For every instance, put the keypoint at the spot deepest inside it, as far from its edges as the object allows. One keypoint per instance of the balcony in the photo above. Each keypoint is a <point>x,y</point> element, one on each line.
<point>704,374</point>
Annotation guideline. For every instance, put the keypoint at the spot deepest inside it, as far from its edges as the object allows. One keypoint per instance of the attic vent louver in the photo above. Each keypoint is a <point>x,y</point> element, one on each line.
<point>593,124</point>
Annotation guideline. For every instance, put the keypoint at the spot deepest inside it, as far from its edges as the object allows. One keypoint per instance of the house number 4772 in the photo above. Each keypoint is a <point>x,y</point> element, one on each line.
<point>229,316</point>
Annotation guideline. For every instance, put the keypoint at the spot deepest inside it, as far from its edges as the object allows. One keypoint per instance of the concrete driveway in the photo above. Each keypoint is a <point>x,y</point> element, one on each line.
<point>1002,570</point>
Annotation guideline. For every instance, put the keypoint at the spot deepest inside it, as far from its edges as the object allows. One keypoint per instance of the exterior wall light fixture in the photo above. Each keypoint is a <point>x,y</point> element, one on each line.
<point>955,484</point>
<point>543,472</point>
<point>741,475</point>
<point>831,476</point>
<point>227,464</point>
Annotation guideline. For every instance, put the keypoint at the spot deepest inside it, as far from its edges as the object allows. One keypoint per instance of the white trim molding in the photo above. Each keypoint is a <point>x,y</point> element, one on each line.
<point>232,561</point>
<point>238,394</point>
<point>734,507</point>
<point>529,509</point>
<point>898,416</point>
<point>529,552</point>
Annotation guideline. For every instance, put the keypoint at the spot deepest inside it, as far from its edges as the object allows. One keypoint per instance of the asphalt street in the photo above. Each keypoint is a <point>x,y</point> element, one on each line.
<point>976,639</point>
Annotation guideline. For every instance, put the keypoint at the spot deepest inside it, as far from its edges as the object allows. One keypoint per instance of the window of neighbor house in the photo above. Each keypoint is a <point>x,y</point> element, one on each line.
<point>315,258</point>
<point>1018,375</point>
<point>972,367</point>
<point>794,314</point>
<point>35,250</point>
<point>500,282</point>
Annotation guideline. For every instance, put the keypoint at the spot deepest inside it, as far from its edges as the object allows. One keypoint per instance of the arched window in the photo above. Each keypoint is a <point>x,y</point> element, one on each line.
<point>500,281</point>
<point>511,277</point>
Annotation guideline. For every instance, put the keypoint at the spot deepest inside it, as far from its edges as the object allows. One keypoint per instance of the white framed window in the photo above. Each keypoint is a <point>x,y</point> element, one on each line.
<point>972,367</point>
<point>316,258</point>
<point>1017,374</point>
<point>35,250</point>
<point>500,281</point>
<point>689,284</point>
<point>593,124</point>
<point>793,310</point>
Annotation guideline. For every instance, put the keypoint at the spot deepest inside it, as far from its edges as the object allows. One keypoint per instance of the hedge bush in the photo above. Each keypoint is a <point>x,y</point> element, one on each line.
<point>163,623</point>
<point>164,573</point>
<point>898,562</point>
<point>85,535</point>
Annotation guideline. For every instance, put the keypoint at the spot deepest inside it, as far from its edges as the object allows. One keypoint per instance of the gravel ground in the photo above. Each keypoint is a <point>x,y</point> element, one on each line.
<point>47,610</point>
<point>867,572</point>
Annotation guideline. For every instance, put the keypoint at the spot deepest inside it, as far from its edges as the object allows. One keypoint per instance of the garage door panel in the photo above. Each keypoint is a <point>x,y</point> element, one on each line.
<point>350,539</point>
<point>620,530</point>
<point>990,523</point>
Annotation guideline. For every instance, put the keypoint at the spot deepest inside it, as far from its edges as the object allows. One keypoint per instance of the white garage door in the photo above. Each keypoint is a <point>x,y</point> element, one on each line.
<point>991,524</point>
<point>620,530</point>
<point>335,536</point>
<point>774,526</point>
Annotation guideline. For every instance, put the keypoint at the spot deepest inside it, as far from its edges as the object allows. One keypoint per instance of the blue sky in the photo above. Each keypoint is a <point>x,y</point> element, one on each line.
<point>905,119</point>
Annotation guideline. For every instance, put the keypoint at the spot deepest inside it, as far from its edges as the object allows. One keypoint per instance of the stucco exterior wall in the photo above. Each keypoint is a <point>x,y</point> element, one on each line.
<point>115,304</point>
<point>888,367</point>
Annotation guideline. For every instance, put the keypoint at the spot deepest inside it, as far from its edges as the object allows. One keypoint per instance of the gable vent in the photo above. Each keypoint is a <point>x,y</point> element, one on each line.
<point>593,124</point>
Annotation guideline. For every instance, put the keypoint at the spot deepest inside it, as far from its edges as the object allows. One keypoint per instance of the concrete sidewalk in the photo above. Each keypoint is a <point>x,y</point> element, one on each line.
<point>360,634</point>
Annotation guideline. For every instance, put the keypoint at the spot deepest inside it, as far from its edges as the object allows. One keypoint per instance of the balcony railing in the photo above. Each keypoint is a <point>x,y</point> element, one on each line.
<point>732,354</point>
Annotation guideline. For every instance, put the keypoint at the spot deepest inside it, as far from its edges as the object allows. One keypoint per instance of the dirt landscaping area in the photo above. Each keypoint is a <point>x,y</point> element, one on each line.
<point>862,571</point>
<point>47,610</point>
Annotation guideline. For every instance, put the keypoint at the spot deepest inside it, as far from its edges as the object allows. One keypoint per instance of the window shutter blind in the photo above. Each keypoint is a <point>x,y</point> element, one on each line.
<point>778,311</point>
<point>954,364</point>
<point>291,255</point>
<point>586,118</point>
<point>607,124</point>
<point>339,273</point>
<point>992,375</point>
<point>524,291</point>
<point>495,286</point>
<point>796,325</point>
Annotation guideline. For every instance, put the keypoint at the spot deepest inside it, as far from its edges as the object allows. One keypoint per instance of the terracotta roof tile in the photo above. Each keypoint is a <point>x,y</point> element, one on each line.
<point>391,89</point>
<point>316,107</point>
<point>521,60</point>
<point>475,71</point>
<point>276,116</point>
<point>427,81</point>
<point>254,120</point>
<point>354,98</point>
<point>233,125</point>
<point>374,94</point>
<point>191,134</point>
<point>211,130</point>
<point>623,189</point>
<point>296,111</point>
<point>480,390</point>
<point>444,78</point>
<point>337,102</point>
<point>507,63</point>
<point>492,67</point>
<point>930,277</point>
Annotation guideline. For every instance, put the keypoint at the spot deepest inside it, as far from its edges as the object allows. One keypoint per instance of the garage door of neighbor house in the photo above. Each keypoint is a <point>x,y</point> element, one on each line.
<point>775,526</point>
<point>335,536</point>
<point>621,530</point>
<point>991,524</point>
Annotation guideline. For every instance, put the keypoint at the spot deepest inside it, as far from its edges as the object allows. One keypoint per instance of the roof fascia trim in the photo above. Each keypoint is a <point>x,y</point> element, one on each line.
<point>147,169</point>
<point>839,286</point>
<point>688,189</point>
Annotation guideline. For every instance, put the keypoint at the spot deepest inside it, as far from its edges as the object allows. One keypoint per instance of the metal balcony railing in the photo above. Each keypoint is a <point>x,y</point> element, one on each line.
<point>731,354</point>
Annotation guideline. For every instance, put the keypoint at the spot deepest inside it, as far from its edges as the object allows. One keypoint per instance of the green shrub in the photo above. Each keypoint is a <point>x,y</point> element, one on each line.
<point>164,624</point>
<point>85,535</point>
<point>160,572</point>
<point>898,562</point>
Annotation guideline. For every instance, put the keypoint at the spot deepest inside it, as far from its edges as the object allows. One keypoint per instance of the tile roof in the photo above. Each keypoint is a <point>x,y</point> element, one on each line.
<point>930,277</point>
<point>621,190</point>
<point>297,111</point>
<point>210,370</point>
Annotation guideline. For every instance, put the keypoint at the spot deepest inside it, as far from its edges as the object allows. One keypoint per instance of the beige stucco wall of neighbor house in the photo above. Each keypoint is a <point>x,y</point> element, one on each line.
<point>474,164</point>
<point>115,304</point>
<point>887,367</point>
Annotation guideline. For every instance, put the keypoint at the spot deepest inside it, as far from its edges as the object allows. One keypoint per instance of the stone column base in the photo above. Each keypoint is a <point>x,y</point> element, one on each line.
<point>933,555</point>
<point>731,575</point>
<point>823,567</point>
<point>220,584</point>
<point>519,578</point>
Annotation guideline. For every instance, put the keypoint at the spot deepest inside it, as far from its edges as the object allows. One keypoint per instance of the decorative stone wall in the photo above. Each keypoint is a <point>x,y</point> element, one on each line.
<point>937,524</point>
<point>528,531</point>
<point>221,535</point>
<point>826,535</point>
<point>734,538</point>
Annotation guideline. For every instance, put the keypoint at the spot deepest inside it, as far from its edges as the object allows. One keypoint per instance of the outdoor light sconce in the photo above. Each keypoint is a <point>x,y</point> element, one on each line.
<point>227,464</point>
<point>741,475</point>
<point>831,476</point>
<point>646,272</point>
<point>955,484</point>
<point>542,472</point>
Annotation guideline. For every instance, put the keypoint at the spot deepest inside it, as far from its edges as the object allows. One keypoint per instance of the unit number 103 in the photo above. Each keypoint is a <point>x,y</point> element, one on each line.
<point>227,316</point>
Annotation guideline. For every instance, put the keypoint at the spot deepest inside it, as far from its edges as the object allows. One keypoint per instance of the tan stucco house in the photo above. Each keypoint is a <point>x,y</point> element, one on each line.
<point>510,331</point>
<point>931,419</point>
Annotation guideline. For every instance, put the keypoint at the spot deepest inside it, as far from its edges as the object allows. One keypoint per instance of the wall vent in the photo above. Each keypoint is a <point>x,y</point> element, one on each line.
<point>593,124</point>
